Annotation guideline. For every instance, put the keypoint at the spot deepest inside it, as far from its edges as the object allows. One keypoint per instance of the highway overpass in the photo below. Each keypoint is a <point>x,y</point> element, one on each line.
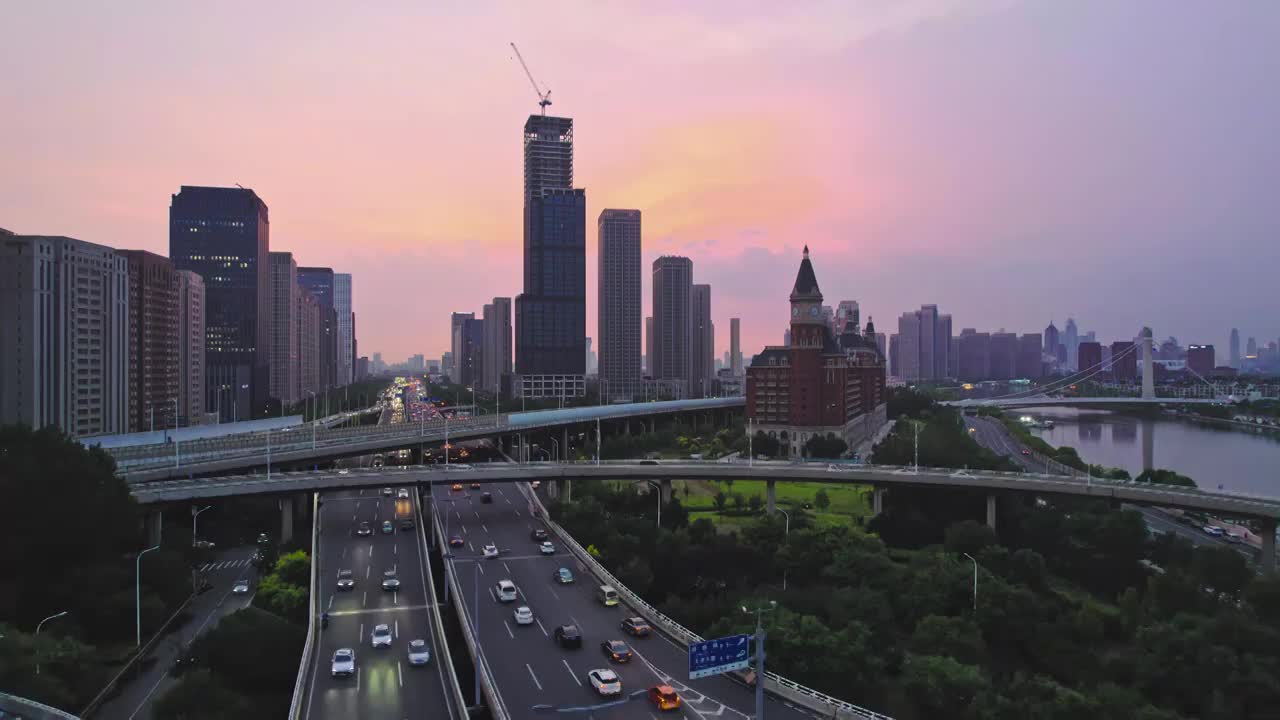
<point>1046,401</point>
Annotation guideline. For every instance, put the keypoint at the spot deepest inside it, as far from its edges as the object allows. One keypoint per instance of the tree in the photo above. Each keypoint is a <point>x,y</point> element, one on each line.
<point>739,501</point>
<point>821,500</point>
<point>1222,569</point>
<point>272,642</point>
<point>942,686</point>
<point>294,568</point>
<point>1164,477</point>
<point>754,502</point>
<point>969,536</point>
<point>766,445</point>
<point>200,695</point>
<point>954,637</point>
<point>284,599</point>
<point>825,446</point>
<point>720,499</point>
<point>1263,597</point>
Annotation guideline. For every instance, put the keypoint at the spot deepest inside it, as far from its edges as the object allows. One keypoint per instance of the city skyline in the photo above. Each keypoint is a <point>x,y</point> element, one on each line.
<point>1117,197</point>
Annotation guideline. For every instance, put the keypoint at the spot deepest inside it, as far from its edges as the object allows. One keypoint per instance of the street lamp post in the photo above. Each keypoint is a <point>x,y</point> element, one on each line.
<point>975,581</point>
<point>195,515</point>
<point>446,441</point>
<point>40,625</point>
<point>599,440</point>
<point>759,638</point>
<point>751,456</point>
<point>786,534</point>
<point>313,419</point>
<point>916,461</point>
<point>137,590</point>
<point>657,486</point>
<point>557,455</point>
<point>268,453</point>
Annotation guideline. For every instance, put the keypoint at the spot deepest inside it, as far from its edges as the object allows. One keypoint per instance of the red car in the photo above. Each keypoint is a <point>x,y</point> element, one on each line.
<point>456,541</point>
<point>665,697</point>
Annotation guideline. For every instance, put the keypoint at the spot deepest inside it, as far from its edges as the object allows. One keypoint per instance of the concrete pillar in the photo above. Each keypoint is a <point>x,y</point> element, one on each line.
<point>1148,444</point>
<point>154,521</point>
<point>666,490</point>
<point>1148,374</point>
<point>567,495</point>
<point>991,511</point>
<point>553,489</point>
<point>1268,531</point>
<point>771,496</point>
<point>877,500</point>
<point>286,520</point>
<point>564,444</point>
<point>302,505</point>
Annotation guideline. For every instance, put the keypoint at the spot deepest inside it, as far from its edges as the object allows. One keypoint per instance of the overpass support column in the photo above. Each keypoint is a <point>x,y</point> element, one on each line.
<point>877,500</point>
<point>154,520</point>
<point>567,495</point>
<point>1268,558</point>
<point>564,445</point>
<point>991,511</point>
<point>666,490</point>
<point>286,520</point>
<point>771,496</point>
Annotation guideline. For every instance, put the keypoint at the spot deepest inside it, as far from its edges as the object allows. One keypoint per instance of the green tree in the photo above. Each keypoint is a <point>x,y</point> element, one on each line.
<point>970,537</point>
<point>1164,477</point>
<point>294,568</point>
<point>720,499</point>
<point>739,501</point>
<point>254,651</point>
<point>200,695</point>
<point>754,502</point>
<point>821,500</point>
<point>1222,569</point>
<point>942,686</point>
<point>825,446</point>
<point>1263,596</point>
<point>954,637</point>
<point>284,599</point>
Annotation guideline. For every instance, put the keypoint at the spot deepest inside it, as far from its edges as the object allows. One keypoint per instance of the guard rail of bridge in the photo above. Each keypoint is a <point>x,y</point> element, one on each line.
<point>302,686</point>
<point>20,708</point>
<point>442,641</point>
<point>774,684</point>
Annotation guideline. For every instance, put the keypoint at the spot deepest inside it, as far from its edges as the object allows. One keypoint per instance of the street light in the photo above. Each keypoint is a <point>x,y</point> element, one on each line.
<point>40,625</point>
<point>195,515</point>
<point>137,590</point>
<point>975,581</point>
<point>786,534</point>
<point>657,486</point>
<point>313,418</point>
<point>759,638</point>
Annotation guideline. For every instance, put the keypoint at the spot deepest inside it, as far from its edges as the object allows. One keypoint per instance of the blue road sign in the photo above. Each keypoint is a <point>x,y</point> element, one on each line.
<point>713,657</point>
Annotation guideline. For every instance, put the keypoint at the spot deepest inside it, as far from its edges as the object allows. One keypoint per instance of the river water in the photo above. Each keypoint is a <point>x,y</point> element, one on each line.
<point>1238,459</point>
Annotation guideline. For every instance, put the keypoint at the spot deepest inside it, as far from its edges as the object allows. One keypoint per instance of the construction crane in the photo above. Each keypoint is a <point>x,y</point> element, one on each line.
<point>544,98</point>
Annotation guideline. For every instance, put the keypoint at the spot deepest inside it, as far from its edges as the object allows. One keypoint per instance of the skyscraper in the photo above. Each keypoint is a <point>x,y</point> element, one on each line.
<point>64,342</point>
<point>457,342</point>
<point>190,348</point>
<point>342,305</point>
<point>471,362</point>
<point>1200,360</point>
<point>1089,355</point>
<point>648,345</point>
<point>702,350</point>
<point>223,234</point>
<point>1030,356</point>
<point>846,312</point>
<point>974,350</point>
<point>1124,360</point>
<point>1251,348</point>
<point>1071,340</point>
<point>618,302</point>
<point>153,341</point>
<point>1004,356</point>
<point>496,352</point>
<point>284,328</point>
<point>1051,341</point>
<point>672,296</point>
<point>1234,348</point>
<point>924,344</point>
<point>319,281</point>
<point>735,346</point>
<point>309,352</point>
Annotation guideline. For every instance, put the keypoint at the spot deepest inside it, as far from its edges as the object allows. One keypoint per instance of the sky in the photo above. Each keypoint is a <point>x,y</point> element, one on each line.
<point>1014,162</point>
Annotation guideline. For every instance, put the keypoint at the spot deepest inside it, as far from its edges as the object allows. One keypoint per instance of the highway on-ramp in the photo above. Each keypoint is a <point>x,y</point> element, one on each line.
<point>530,670</point>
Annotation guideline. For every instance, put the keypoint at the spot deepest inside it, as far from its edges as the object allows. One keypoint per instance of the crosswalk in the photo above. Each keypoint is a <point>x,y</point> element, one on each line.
<point>227,565</point>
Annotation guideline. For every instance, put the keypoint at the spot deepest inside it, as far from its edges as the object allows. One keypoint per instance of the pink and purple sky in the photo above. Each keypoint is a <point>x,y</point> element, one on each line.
<point>1013,162</point>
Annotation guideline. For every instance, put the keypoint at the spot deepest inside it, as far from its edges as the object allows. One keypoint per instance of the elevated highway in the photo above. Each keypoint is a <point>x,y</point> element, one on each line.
<point>1046,401</point>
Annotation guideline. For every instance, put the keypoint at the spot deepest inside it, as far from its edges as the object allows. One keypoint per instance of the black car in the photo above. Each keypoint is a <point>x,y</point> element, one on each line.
<point>568,636</point>
<point>406,524</point>
<point>486,498</point>
<point>616,650</point>
<point>538,535</point>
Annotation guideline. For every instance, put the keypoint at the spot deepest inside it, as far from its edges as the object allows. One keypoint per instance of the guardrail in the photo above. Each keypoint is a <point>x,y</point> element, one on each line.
<point>774,684</point>
<point>489,688</point>
<point>23,709</point>
<point>443,656</point>
<point>301,686</point>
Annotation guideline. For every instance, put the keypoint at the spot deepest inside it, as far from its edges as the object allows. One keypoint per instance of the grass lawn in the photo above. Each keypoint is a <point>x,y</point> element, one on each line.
<point>848,502</point>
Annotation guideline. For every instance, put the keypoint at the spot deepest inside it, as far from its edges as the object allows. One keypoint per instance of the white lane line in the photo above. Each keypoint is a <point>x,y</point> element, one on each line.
<point>353,519</point>
<point>465,531</point>
<point>395,597</point>
<point>400,673</point>
<point>508,500</point>
<point>544,630</point>
<point>371,557</point>
<point>358,679</point>
<point>508,627</point>
<point>369,568</point>
<point>330,607</point>
<point>395,550</point>
<point>508,569</point>
<point>571,673</point>
<point>535,677</point>
<point>486,529</point>
<point>481,569</point>
<point>398,632</point>
<point>553,592</point>
<point>522,597</point>
<point>365,603</point>
<point>492,596</point>
<point>471,547</point>
<point>517,513</point>
<point>205,567</point>
<point>361,632</point>
<point>344,553</point>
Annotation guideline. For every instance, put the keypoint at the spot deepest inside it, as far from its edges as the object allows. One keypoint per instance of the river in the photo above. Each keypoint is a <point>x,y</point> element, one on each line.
<point>1240,460</point>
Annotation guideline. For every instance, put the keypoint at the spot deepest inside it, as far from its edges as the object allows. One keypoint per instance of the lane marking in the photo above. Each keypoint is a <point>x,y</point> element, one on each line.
<point>395,597</point>
<point>361,632</point>
<point>573,675</point>
<point>358,679</point>
<point>369,568</point>
<point>554,593</point>
<point>544,630</point>
<point>535,677</point>
<point>508,569</point>
<point>508,627</point>
<point>492,596</point>
<point>398,631</point>
<point>371,556</point>
<point>400,674</point>
<point>484,527</point>
<point>330,606</point>
<point>365,602</point>
<point>481,568</point>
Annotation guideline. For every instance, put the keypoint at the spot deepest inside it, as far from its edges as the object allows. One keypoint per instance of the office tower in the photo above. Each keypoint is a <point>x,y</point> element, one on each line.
<point>1234,348</point>
<point>1089,355</point>
<point>1030,356</point>
<point>1251,349</point>
<point>1124,361</point>
<point>723,362</point>
<point>1200,360</point>
<point>881,345</point>
<point>735,346</point>
<point>191,350</point>
<point>924,344</point>
<point>457,339</point>
<point>153,341</point>
<point>309,335</point>
<point>471,361</point>
<point>284,327</point>
<point>496,350</point>
<point>446,365</point>
<point>648,345</point>
<point>1071,340</point>
<point>672,296</point>
<point>618,302</point>
<point>895,361</point>
<point>64,342</point>
<point>346,326</point>
<point>319,281</point>
<point>1051,341</point>
<point>355,346</point>
<point>702,351</point>
<point>1004,356</point>
<point>362,368</point>
<point>974,351</point>
<point>223,234</point>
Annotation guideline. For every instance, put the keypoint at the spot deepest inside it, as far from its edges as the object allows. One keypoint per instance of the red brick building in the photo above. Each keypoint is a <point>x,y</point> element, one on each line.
<point>820,384</point>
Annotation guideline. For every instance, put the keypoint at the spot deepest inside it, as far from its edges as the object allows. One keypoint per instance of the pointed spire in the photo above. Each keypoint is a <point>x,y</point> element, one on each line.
<point>806,286</point>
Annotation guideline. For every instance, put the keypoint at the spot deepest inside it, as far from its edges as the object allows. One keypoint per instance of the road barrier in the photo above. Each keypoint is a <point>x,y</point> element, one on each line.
<point>301,685</point>
<point>775,684</point>
<point>12,706</point>
<point>443,656</point>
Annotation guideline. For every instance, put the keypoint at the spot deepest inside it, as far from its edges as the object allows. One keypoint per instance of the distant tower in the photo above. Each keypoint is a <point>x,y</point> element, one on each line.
<point>1148,371</point>
<point>1071,338</point>
<point>1234,348</point>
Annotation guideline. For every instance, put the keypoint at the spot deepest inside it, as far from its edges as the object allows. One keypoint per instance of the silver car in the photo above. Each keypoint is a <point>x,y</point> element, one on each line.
<point>346,580</point>
<point>381,636</point>
<point>419,653</point>
<point>506,591</point>
<point>344,663</point>
<point>523,615</point>
<point>390,581</point>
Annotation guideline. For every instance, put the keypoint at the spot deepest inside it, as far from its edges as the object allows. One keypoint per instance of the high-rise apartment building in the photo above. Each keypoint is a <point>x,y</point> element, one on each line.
<point>64,342</point>
<point>457,339</point>
<point>735,346</point>
<point>319,281</point>
<point>1051,341</point>
<point>1234,348</point>
<point>924,344</point>
<point>191,351</point>
<point>471,362</point>
<point>496,350</point>
<point>672,312</point>
<point>153,341</point>
<point>1030,356</point>
<point>1071,341</point>
<point>702,341</point>
<point>648,346</point>
<point>1089,355</point>
<point>974,351</point>
<point>342,306</point>
<point>284,328</point>
<point>223,234</point>
<point>309,335</point>
<point>1200,360</point>
<point>1004,356</point>
<point>1124,360</point>
<point>618,302</point>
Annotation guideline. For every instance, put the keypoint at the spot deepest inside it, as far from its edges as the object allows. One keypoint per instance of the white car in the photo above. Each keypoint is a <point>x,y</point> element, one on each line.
<point>402,493</point>
<point>241,587</point>
<point>419,653</point>
<point>381,636</point>
<point>386,492</point>
<point>506,591</point>
<point>343,471</point>
<point>390,581</point>
<point>524,616</point>
<point>491,551</point>
<point>1213,530</point>
<point>344,662</point>
<point>547,548</point>
<point>605,681</point>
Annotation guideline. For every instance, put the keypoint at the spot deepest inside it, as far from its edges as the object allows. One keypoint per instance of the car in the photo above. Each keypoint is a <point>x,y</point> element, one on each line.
<point>616,650</point>
<point>635,627</point>
<point>363,530</point>
<point>547,548</point>
<point>605,681</point>
<point>344,663</point>
<point>1233,539</point>
<point>346,580</point>
<point>381,636</point>
<point>419,653</point>
<point>486,498</point>
<point>491,551</point>
<point>1026,452</point>
<point>402,493</point>
<point>457,487</point>
<point>564,576</point>
<point>202,545</point>
<point>241,587</point>
<point>387,527</point>
<point>506,591</point>
<point>386,492</point>
<point>475,486</point>
<point>538,535</point>
<point>1213,530</point>
<point>535,484</point>
<point>568,636</point>
<point>523,615</point>
<point>407,524</point>
<point>390,581</point>
<point>664,697</point>
<point>343,471</point>
<point>264,539</point>
<point>457,541</point>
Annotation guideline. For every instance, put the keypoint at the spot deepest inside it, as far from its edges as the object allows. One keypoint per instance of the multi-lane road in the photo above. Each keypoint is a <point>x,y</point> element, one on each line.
<point>385,685</point>
<point>532,673</point>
